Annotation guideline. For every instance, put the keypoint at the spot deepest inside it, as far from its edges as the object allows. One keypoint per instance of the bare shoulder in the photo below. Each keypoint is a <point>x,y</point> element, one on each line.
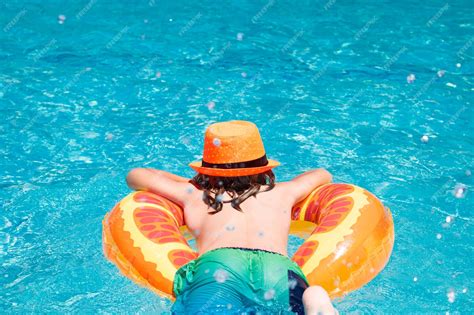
<point>280,193</point>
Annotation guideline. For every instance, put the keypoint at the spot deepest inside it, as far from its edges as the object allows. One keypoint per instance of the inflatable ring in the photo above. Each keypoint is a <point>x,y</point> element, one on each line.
<point>352,241</point>
<point>349,246</point>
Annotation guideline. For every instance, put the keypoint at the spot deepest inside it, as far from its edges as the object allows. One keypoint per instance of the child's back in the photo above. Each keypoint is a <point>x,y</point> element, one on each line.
<point>264,222</point>
<point>240,218</point>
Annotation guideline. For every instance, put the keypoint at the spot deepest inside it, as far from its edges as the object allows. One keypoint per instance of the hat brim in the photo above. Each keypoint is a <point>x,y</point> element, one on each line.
<point>232,172</point>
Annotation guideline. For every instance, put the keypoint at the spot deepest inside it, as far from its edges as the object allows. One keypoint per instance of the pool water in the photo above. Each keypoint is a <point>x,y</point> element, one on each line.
<point>378,92</point>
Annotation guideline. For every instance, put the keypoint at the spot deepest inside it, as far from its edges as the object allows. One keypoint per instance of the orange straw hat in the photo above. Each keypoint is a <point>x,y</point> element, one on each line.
<point>233,148</point>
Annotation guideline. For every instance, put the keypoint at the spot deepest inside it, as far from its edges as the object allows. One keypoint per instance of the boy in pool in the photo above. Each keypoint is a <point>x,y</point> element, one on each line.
<point>242,242</point>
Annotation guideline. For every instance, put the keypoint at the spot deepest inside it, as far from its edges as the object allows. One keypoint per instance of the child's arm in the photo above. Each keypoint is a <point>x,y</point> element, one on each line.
<point>302,185</point>
<point>170,186</point>
<point>169,175</point>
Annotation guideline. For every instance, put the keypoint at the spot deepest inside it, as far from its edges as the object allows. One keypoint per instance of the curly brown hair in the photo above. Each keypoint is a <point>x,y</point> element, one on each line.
<point>240,188</point>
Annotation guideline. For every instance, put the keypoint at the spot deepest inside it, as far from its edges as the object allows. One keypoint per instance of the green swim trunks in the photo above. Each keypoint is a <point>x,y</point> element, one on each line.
<point>239,280</point>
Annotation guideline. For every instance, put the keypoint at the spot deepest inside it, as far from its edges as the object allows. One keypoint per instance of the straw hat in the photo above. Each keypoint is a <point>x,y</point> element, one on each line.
<point>233,148</point>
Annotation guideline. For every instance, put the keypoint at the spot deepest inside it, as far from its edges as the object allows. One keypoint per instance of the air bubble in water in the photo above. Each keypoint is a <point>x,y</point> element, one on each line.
<point>240,36</point>
<point>441,73</point>
<point>415,279</point>
<point>270,294</point>
<point>451,296</point>
<point>411,78</point>
<point>244,74</point>
<point>425,139</point>
<point>438,236</point>
<point>460,191</point>
<point>468,173</point>
<point>93,103</point>
<point>158,74</point>
<point>229,306</point>
<point>448,221</point>
<point>211,105</point>
<point>61,18</point>
<point>464,290</point>
<point>221,276</point>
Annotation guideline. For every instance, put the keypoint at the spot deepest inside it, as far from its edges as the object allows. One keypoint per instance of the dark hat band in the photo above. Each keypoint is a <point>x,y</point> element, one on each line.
<point>261,161</point>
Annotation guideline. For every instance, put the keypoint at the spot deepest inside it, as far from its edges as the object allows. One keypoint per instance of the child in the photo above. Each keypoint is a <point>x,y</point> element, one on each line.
<point>240,218</point>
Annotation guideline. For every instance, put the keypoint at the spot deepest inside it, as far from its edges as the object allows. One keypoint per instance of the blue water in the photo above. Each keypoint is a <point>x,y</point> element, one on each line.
<point>116,86</point>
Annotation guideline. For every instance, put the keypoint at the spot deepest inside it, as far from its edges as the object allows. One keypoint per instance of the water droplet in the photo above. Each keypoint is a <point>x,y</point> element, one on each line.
<point>269,295</point>
<point>415,279</point>
<point>240,36</point>
<point>211,105</point>
<point>451,296</point>
<point>460,191</point>
<point>230,227</point>
<point>440,73</point>
<point>464,290</point>
<point>411,78</point>
<point>171,20</point>
<point>438,236</point>
<point>449,219</point>
<point>93,103</point>
<point>221,276</point>
<point>292,284</point>
<point>425,139</point>
<point>216,142</point>
<point>458,65</point>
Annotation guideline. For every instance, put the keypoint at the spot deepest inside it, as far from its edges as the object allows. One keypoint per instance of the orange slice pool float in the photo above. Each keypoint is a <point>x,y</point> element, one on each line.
<point>349,240</point>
